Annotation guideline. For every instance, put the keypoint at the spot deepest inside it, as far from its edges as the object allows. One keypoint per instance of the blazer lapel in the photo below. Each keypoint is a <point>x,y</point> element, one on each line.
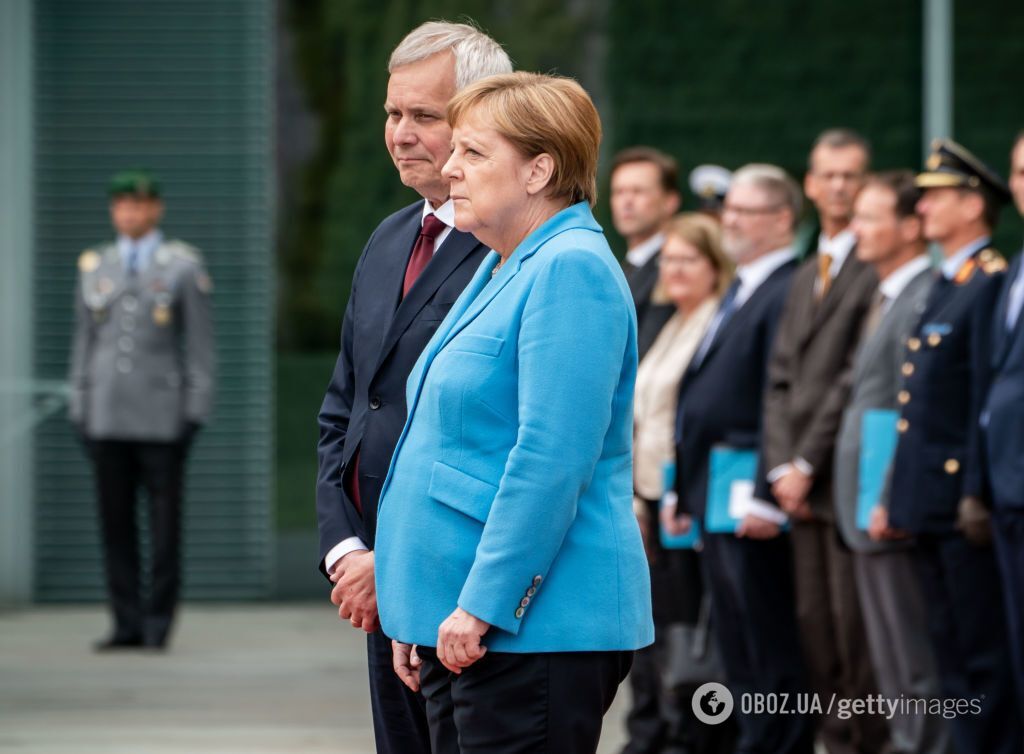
<point>452,253</point>
<point>835,294</point>
<point>1002,340</point>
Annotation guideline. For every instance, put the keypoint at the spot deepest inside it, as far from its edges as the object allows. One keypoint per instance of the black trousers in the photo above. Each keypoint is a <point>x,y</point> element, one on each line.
<point>1008,530</point>
<point>121,469</point>
<point>753,618</point>
<point>967,623</point>
<point>399,715</point>
<point>521,703</point>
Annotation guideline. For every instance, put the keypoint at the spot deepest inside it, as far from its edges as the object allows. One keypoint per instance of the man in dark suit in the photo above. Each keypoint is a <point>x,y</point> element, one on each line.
<point>937,480</point>
<point>411,271</point>
<point>644,195</point>
<point>889,239</point>
<point>1003,423</point>
<point>806,392</point>
<point>720,402</point>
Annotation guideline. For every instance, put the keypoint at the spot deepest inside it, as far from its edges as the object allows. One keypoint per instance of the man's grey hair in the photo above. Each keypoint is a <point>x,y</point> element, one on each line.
<point>774,181</point>
<point>476,54</point>
<point>839,138</point>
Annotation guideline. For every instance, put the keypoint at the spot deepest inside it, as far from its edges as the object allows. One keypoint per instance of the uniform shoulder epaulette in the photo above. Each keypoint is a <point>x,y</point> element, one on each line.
<point>183,250</point>
<point>991,262</point>
<point>88,260</point>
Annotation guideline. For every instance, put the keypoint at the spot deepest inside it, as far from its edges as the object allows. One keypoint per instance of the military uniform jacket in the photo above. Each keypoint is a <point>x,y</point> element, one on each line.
<point>142,356</point>
<point>946,377</point>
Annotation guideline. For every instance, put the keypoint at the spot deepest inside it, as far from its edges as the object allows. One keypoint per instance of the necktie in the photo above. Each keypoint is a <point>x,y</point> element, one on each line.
<point>422,250</point>
<point>725,312</point>
<point>874,316</point>
<point>824,276</point>
<point>133,260</point>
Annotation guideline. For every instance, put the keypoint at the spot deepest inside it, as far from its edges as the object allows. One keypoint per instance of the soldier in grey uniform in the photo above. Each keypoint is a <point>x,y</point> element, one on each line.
<point>142,366</point>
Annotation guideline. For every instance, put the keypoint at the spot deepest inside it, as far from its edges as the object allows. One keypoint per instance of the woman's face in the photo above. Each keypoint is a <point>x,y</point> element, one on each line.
<point>490,182</point>
<point>686,274</point>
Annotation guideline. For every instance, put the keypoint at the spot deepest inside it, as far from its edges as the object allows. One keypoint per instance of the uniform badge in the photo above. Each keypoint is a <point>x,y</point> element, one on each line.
<point>88,261</point>
<point>966,271</point>
<point>161,315</point>
<point>991,262</point>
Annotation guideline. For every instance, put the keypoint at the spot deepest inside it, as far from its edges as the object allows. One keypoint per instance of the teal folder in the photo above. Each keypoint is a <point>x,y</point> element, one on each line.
<point>878,439</point>
<point>691,539</point>
<point>727,465</point>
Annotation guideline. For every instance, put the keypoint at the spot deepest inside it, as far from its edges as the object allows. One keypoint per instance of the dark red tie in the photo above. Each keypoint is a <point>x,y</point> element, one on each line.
<point>422,250</point>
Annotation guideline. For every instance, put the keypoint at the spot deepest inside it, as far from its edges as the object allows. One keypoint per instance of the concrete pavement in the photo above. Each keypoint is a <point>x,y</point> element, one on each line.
<point>252,678</point>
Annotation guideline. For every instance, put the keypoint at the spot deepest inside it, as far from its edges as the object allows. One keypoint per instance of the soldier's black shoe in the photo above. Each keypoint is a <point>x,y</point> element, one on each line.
<point>115,643</point>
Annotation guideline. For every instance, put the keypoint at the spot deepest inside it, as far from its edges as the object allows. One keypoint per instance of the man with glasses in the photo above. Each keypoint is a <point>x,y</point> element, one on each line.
<point>720,403</point>
<point>806,392</point>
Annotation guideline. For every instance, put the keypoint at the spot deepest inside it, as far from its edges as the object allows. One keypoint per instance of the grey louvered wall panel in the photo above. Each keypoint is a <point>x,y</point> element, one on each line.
<point>182,87</point>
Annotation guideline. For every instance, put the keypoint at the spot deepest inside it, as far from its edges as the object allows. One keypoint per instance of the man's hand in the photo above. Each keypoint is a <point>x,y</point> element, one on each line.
<point>458,640</point>
<point>878,527</point>
<point>673,524</point>
<point>791,489</point>
<point>974,522</point>
<point>354,591</point>
<point>753,527</point>
<point>406,663</point>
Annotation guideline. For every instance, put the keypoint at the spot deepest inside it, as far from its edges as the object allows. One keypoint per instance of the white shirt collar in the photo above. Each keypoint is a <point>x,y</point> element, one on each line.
<point>641,254</point>
<point>752,275</point>
<point>838,247</point>
<point>900,278</point>
<point>951,266</point>
<point>146,245</point>
<point>446,214</point>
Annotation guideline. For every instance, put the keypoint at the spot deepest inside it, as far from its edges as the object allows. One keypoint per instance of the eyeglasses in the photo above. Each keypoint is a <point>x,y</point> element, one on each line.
<point>678,262</point>
<point>749,211</point>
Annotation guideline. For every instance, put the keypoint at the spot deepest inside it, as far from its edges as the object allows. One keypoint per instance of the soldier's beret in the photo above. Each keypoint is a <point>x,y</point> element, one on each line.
<point>140,183</point>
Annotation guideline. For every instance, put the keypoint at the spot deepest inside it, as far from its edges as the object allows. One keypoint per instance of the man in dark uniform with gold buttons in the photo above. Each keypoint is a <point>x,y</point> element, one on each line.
<point>937,483</point>
<point>141,385</point>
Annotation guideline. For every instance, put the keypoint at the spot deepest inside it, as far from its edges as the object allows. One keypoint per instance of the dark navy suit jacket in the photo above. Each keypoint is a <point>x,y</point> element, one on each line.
<point>382,336</point>
<point>721,399</point>
<point>1004,410</point>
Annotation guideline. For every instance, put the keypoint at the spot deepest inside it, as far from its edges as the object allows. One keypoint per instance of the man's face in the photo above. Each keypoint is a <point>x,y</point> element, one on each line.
<point>881,233</point>
<point>945,211</point>
<point>640,204</point>
<point>835,177</point>
<point>753,222</point>
<point>1017,175</point>
<point>416,132</point>
<point>135,216</point>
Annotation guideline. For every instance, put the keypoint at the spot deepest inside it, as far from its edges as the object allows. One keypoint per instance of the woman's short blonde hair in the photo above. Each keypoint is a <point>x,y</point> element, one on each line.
<point>541,115</point>
<point>705,235</point>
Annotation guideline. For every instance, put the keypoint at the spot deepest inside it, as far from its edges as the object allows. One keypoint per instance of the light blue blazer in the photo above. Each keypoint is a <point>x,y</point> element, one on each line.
<point>510,490</point>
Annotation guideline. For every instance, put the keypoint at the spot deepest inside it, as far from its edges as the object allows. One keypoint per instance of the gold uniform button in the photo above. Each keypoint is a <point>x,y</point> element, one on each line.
<point>902,426</point>
<point>520,612</point>
<point>903,397</point>
<point>952,466</point>
<point>934,339</point>
<point>914,344</point>
<point>908,369</point>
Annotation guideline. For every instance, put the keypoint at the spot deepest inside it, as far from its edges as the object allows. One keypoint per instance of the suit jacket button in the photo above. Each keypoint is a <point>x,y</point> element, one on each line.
<point>903,397</point>
<point>952,466</point>
<point>902,426</point>
<point>520,612</point>
<point>375,402</point>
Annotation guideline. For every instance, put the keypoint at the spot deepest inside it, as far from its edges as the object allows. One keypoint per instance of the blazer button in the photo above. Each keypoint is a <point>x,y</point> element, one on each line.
<point>903,397</point>
<point>520,612</point>
<point>537,579</point>
<point>531,591</point>
<point>375,402</point>
<point>524,602</point>
<point>952,466</point>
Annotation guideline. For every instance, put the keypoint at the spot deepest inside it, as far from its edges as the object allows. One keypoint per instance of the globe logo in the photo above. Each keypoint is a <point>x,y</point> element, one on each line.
<point>712,703</point>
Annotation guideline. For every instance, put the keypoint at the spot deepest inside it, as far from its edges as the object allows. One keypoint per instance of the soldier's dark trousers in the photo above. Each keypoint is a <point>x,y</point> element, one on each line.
<point>122,468</point>
<point>967,622</point>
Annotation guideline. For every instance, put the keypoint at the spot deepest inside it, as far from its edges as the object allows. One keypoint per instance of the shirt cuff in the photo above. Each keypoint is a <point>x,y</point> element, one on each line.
<point>803,466</point>
<point>767,511</point>
<point>778,472</point>
<point>340,550</point>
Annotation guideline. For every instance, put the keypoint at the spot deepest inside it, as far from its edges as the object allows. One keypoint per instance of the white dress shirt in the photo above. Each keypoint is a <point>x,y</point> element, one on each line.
<point>838,249</point>
<point>951,265</point>
<point>641,254</point>
<point>897,280</point>
<point>145,247</point>
<point>446,214</point>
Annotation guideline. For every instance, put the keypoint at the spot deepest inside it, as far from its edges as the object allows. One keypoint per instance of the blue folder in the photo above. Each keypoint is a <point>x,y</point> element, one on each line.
<point>691,539</point>
<point>878,439</point>
<point>727,465</point>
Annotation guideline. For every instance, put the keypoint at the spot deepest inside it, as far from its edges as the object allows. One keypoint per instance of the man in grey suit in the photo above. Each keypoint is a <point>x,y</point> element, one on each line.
<point>895,617</point>
<point>141,379</point>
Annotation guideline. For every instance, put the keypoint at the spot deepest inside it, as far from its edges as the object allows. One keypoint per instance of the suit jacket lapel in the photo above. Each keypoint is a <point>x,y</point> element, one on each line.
<point>452,253</point>
<point>835,294</point>
<point>1002,340</point>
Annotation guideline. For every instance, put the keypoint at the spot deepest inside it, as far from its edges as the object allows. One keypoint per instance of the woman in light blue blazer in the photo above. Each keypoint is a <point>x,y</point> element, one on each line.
<point>507,549</point>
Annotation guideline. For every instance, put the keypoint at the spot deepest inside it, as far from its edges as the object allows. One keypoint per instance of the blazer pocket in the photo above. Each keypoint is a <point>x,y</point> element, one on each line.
<point>481,344</point>
<point>459,490</point>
